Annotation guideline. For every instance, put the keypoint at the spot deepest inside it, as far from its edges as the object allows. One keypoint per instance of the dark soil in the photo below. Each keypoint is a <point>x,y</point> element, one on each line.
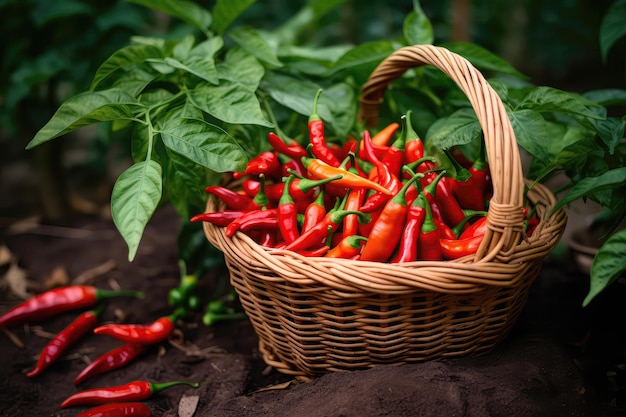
<point>560,359</point>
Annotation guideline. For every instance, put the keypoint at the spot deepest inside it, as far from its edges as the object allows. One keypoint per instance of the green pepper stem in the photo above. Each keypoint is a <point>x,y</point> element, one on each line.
<point>158,387</point>
<point>103,294</point>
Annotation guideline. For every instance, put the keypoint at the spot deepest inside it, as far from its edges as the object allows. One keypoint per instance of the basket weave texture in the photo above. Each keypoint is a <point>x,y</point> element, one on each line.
<point>316,315</point>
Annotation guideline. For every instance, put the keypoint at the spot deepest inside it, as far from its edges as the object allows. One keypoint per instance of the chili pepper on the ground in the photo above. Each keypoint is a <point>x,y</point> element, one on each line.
<point>320,170</point>
<point>218,218</point>
<point>315,235</point>
<point>65,339</point>
<point>292,149</point>
<point>219,310</point>
<point>383,176</point>
<point>119,409</point>
<point>314,213</point>
<point>428,248</point>
<point>316,136</point>
<point>288,214</point>
<point>457,248</point>
<point>109,361</point>
<point>147,334</point>
<point>59,300</point>
<point>386,232</point>
<point>266,163</point>
<point>232,199</point>
<point>347,248</point>
<point>184,295</point>
<point>407,250</point>
<point>133,391</point>
<point>250,216</point>
<point>413,147</point>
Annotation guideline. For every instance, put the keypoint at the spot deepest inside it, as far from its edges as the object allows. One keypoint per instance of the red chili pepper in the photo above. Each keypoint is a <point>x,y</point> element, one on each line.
<point>65,339</point>
<point>471,192</point>
<point>111,360</point>
<point>445,231</point>
<point>266,163</point>
<point>394,158</point>
<point>387,229</point>
<point>458,248</point>
<point>314,253</point>
<point>347,248</point>
<point>147,334</point>
<point>429,191</point>
<point>320,170</point>
<point>288,165</point>
<point>478,228</point>
<point>383,176</point>
<point>250,216</point>
<point>293,149</point>
<point>380,141</point>
<point>266,224</point>
<point>353,202</point>
<point>57,301</point>
<point>428,248</point>
<point>288,214</point>
<point>301,189</point>
<point>407,251</point>
<point>414,147</point>
<point>383,136</point>
<point>119,409</point>
<point>133,391</point>
<point>451,210</point>
<point>267,238</point>
<point>232,199</point>
<point>314,213</point>
<point>316,234</point>
<point>218,218</point>
<point>316,136</point>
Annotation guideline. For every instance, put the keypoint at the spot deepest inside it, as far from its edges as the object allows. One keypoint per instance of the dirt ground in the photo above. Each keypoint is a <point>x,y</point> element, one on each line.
<point>560,359</point>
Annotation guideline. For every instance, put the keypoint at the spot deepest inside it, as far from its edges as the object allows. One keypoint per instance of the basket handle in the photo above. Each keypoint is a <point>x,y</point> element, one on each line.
<point>505,218</point>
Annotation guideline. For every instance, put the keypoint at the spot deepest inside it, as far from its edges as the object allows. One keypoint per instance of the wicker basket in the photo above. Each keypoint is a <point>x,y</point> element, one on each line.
<point>315,315</point>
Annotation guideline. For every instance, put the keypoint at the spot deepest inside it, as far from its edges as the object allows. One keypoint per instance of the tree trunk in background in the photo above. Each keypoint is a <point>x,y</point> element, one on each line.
<point>52,184</point>
<point>461,21</point>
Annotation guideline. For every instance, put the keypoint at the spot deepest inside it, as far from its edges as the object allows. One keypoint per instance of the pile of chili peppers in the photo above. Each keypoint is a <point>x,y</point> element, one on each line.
<point>374,199</point>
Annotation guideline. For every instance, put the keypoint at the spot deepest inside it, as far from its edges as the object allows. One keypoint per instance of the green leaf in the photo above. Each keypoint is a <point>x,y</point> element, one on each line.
<point>366,56</point>
<point>186,11</point>
<point>548,99</point>
<point>608,264</point>
<point>612,27</point>
<point>202,67</point>
<point>184,182</point>
<point>460,128</point>
<point>204,143</point>
<point>242,68</point>
<point>208,48</point>
<point>531,132</point>
<point>230,102</point>
<point>86,109</point>
<point>607,96</point>
<point>250,40</point>
<point>135,196</point>
<point>482,58</point>
<point>125,59</point>
<point>611,131</point>
<point>336,106</point>
<point>226,11</point>
<point>417,28</point>
<point>589,185</point>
